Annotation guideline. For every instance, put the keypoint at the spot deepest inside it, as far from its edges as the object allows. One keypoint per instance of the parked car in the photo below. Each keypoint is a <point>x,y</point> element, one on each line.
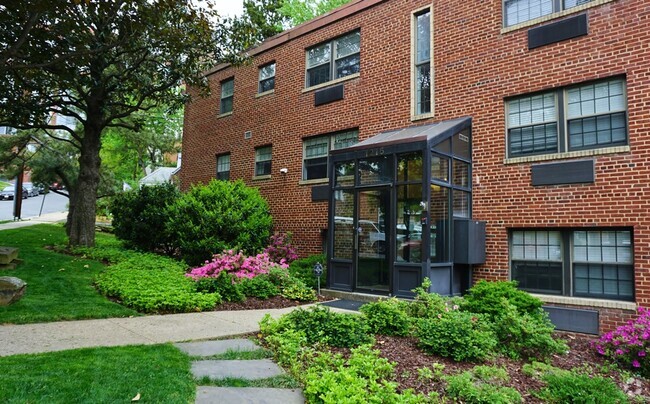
<point>31,189</point>
<point>8,193</point>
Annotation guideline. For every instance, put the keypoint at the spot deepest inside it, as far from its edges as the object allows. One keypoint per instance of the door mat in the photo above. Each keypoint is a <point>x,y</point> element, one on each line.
<point>344,304</point>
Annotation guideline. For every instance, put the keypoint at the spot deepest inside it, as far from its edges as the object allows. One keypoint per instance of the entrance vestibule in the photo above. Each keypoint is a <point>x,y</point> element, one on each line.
<point>395,201</point>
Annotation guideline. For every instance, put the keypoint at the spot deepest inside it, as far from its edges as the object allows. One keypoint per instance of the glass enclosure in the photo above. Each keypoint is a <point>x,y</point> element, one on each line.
<point>395,197</point>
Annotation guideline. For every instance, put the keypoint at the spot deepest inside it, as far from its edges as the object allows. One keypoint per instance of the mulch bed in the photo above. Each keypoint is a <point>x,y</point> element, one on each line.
<point>409,358</point>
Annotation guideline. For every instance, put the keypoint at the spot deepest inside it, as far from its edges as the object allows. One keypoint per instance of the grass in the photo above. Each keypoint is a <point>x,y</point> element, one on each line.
<point>277,382</point>
<point>59,286</point>
<point>239,355</point>
<point>159,373</point>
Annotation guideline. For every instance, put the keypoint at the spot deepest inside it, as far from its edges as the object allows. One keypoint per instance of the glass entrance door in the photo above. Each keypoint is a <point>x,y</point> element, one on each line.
<point>373,240</point>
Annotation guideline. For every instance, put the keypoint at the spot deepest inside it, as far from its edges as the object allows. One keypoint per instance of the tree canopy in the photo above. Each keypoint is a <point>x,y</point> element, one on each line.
<point>99,63</point>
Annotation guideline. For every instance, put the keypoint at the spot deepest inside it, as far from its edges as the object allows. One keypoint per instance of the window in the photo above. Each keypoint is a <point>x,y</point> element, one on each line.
<point>267,78</point>
<point>316,150</point>
<point>587,116</point>
<point>223,167</point>
<point>582,263</point>
<point>518,11</point>
<point>227,92</point>
<point>333,60</point>
<point>263,161</point>
<point>422,62</point>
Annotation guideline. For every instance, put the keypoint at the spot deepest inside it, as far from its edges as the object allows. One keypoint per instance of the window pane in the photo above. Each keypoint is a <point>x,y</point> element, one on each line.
<point>533,140</point>
<point>460,173</point>
<point>423,89</point>
<point>460,145</point>
<point>544,277</point>
<point>223,163</point>
<point>409,167</point>
<point>343,225</point>
<point>423,37</point>
<point>267,72</point>
<point>347,66</point>
<point>461,203</point>
<point>600,131</point>
<point>518,11</point>
<point>315,168</point>
<point>267,85</point>
<point>531,110</point>
<point>316,147</point>
<point>439,211</point>
<point>318,55</point>
<point>345,139</point>
<point>376,170</point>
<point>318,75</point>
<point>348,45</point>
<point>263,154</point>
<point>226,105</point>
<point>596,98</point>
<point>439,168</point>
<point>227,88</point>
<point>344,174</point>
<point>574,3</point>
<point>263,168</point>
<point>408,241</point>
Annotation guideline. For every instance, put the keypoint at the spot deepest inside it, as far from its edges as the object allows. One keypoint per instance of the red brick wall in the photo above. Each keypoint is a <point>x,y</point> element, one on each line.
<point>476,67</point>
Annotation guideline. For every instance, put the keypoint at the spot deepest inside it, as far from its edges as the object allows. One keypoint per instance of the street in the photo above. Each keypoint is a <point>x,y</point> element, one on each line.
<point>32,206</point>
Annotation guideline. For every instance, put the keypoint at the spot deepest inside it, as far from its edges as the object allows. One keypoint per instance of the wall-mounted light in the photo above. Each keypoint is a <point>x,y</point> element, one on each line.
<point>284,170</point>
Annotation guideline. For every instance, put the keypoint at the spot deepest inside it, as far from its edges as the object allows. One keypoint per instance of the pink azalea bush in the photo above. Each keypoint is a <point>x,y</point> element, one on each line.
<point>236,264</point>
<point>280,248</point>
<point>629,344</point>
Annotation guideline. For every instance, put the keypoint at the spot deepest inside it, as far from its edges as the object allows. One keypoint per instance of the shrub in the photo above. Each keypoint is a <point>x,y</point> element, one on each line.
<point>225,285</point>
<point>526,336</point>
<point>294,289</point>
<point>363,378</point>
<point>460,335</point>
<point>280,249</point>
<point>303,269</point>
<point>236,264</point>
<point>564,386</point>
<point>140,217</point>
<point>321,325</point>
<point>629,344</point>
<point>425,304</point>
<point>219,216</point>
<point>387,317</point>
<point>483,384</point>
<point>154,285</point>
<point>260,287</point>
<point>491,297</point>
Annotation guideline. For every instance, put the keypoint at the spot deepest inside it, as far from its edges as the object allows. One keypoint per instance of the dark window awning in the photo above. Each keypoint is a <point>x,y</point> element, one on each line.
<point>430,134</point>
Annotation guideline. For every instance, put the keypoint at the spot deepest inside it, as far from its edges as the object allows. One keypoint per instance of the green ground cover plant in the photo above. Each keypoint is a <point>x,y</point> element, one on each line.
<point>59,286</point>
<point>158,373</point>
<point>482,385</point>
<point>153,284</point>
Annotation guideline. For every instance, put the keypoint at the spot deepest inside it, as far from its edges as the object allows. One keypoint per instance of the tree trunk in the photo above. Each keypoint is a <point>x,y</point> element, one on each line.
<point>83,198</point>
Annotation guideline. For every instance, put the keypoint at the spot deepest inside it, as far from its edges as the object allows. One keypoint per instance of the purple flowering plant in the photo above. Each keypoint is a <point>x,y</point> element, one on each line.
<point>629,344</point>
<point>237,264</point>
<point>280,248</point>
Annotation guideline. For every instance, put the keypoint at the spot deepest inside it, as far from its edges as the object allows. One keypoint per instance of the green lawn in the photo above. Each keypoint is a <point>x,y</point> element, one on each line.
<point>59,286</point>
<point>159,373</point>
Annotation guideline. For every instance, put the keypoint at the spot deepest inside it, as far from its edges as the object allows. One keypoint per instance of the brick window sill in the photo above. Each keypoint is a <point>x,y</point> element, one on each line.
<point>265,93</point>
<point>313,182</point>
<point>262,177</point>
<point>225,114</point>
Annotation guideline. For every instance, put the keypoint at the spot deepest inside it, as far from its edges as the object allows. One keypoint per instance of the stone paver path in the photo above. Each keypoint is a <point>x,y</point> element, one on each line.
<point>240,369</point>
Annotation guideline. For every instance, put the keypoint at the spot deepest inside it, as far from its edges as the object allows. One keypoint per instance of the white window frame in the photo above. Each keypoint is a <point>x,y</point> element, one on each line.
<point>226,96</point>
<point>331,60</point>
<point>260,79</point>
<point>331,145</point>
<point>414,70</point>
<point>562,119</point>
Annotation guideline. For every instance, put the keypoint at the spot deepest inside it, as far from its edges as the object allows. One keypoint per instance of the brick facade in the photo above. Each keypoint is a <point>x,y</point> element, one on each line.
<point>477,64</point>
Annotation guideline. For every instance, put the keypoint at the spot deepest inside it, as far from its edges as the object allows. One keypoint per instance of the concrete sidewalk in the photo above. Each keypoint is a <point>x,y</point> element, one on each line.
<point>59,336</point>
<point>48,218</point>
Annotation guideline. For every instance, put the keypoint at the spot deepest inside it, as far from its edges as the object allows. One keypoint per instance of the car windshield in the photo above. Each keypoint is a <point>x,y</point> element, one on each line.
<point>8,189</point>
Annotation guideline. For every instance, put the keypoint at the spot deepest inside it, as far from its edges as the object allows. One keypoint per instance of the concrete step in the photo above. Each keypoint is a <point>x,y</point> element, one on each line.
<point>210,348</point>
<point>248,395</point>
<point>239,369</point>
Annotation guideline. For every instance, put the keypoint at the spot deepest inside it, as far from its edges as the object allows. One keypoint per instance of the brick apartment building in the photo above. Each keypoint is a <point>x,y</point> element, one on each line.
<point>389,128</point>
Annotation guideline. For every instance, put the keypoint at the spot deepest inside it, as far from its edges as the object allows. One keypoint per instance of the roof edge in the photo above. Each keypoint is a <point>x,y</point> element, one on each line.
<point>339,13</point>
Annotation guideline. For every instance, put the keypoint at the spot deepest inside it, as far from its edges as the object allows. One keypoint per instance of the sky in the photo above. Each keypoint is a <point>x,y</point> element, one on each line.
<point>229,8</point>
